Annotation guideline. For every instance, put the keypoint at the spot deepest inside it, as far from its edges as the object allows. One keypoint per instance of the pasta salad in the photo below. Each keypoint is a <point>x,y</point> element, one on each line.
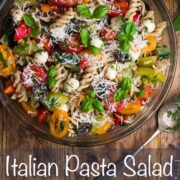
<point>82,67</point>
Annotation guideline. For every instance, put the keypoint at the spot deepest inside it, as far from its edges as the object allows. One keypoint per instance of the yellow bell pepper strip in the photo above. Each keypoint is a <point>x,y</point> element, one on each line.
<point>150,73</point>
<point>7,62</point>
<point>147,61</point>
<point>59,123</point>
<point>106,126</point>
<point>151,46</point>
<point>27,107</point>
<point>55,100</point>
<point>131,108</point>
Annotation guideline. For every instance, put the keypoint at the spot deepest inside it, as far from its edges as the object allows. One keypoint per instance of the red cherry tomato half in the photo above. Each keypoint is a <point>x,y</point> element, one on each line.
<point>64,3</point>
<point>108,34</point>
<point>84,63</point>
<point>22,32</point>
<point>43,114</point>
<point>71,45</point>
<point>33,74</point>
<point>118,7</point>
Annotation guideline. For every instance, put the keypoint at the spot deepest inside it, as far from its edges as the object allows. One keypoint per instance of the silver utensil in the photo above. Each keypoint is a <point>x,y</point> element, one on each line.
<point>167,120</point>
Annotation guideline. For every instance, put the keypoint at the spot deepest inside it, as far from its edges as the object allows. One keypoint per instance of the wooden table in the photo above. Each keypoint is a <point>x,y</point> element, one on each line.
<point>19,143</point>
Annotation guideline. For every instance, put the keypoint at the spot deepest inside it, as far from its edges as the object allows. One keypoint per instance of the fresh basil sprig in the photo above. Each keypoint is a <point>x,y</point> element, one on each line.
<point>85,39</point>
<point>91,102</point>
<point>126,37</point>
<point>30,22</point>
<point>98,13</point>
<point>84,11</point>
<point>126,83</point>
<point>120,95</point>
<point>125,86</point>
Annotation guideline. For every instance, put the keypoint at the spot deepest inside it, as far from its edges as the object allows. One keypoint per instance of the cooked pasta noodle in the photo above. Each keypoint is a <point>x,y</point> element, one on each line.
<point>62,74</point>
<point>159,30</point>
<point>20,91</point>
<point>135,5</point>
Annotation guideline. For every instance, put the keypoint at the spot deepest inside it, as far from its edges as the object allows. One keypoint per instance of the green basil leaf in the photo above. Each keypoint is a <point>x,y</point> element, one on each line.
<point>176,23</point>
<point>85,37</point>
<point>36,31</point>
<point>84,11</point>
<point>86,105</point>
<point>126,84</point>
<point>100,11</point>
<point>120,95</point>
<point>4,62</point>
<point>130,28</point>
<point>125,46</point>
<point>30,22</point>
<point>52,71</point>
<point>94,50</point>
<point>140,94</point>
<point>122,37</point>
<point>98,106</point>
<point>91,94</point>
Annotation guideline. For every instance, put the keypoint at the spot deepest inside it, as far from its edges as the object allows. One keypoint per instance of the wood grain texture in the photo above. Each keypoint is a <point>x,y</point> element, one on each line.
<point>19,143</point>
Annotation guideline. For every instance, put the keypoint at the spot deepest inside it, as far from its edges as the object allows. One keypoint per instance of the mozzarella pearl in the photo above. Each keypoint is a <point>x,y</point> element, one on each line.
<point>41,57</point>
<point>149,25</point>
<point>64,108</point>
<point>97,42</point>
<point>71,85</point>
<point>111,72</point>
<point>17,15</point>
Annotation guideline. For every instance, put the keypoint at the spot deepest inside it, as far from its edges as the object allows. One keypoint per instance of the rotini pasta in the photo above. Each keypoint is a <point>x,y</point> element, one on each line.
<point>20,91</point>
<point>135,5</point>
<point>62,75</point>
<point>159,30</point>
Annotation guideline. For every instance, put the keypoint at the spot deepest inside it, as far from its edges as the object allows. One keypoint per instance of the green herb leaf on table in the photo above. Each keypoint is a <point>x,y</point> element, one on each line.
<point>100,11</point>
<point>85,37</point>
<point>94,50</point>
<point>176,23</point>
<point>98,106</point>
<point>84,11</point>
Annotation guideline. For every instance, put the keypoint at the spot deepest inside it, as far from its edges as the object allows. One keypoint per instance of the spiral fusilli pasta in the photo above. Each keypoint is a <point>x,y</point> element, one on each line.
<point>159,30</point>
<point>20,91</point>
<point>62,74</point>
<point>135,5</point>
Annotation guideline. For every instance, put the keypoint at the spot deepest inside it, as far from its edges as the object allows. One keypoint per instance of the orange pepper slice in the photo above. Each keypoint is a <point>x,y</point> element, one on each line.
<point>31,111</point>
<point>57,118</point>
<point>9,59</point>
<point>47,8</point>
<point>86,1</point>
<point>9,89</point>
<point>147,92</point>
<point>131,108</point>
<point>107,125</point>
<point>152,43</point>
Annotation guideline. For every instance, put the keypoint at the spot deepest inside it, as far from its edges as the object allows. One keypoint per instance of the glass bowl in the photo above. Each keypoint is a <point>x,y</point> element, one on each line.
<point>118,132</point>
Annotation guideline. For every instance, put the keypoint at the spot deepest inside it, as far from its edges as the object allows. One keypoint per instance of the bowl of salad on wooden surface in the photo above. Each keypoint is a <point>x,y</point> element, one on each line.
<point>85,72</point>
